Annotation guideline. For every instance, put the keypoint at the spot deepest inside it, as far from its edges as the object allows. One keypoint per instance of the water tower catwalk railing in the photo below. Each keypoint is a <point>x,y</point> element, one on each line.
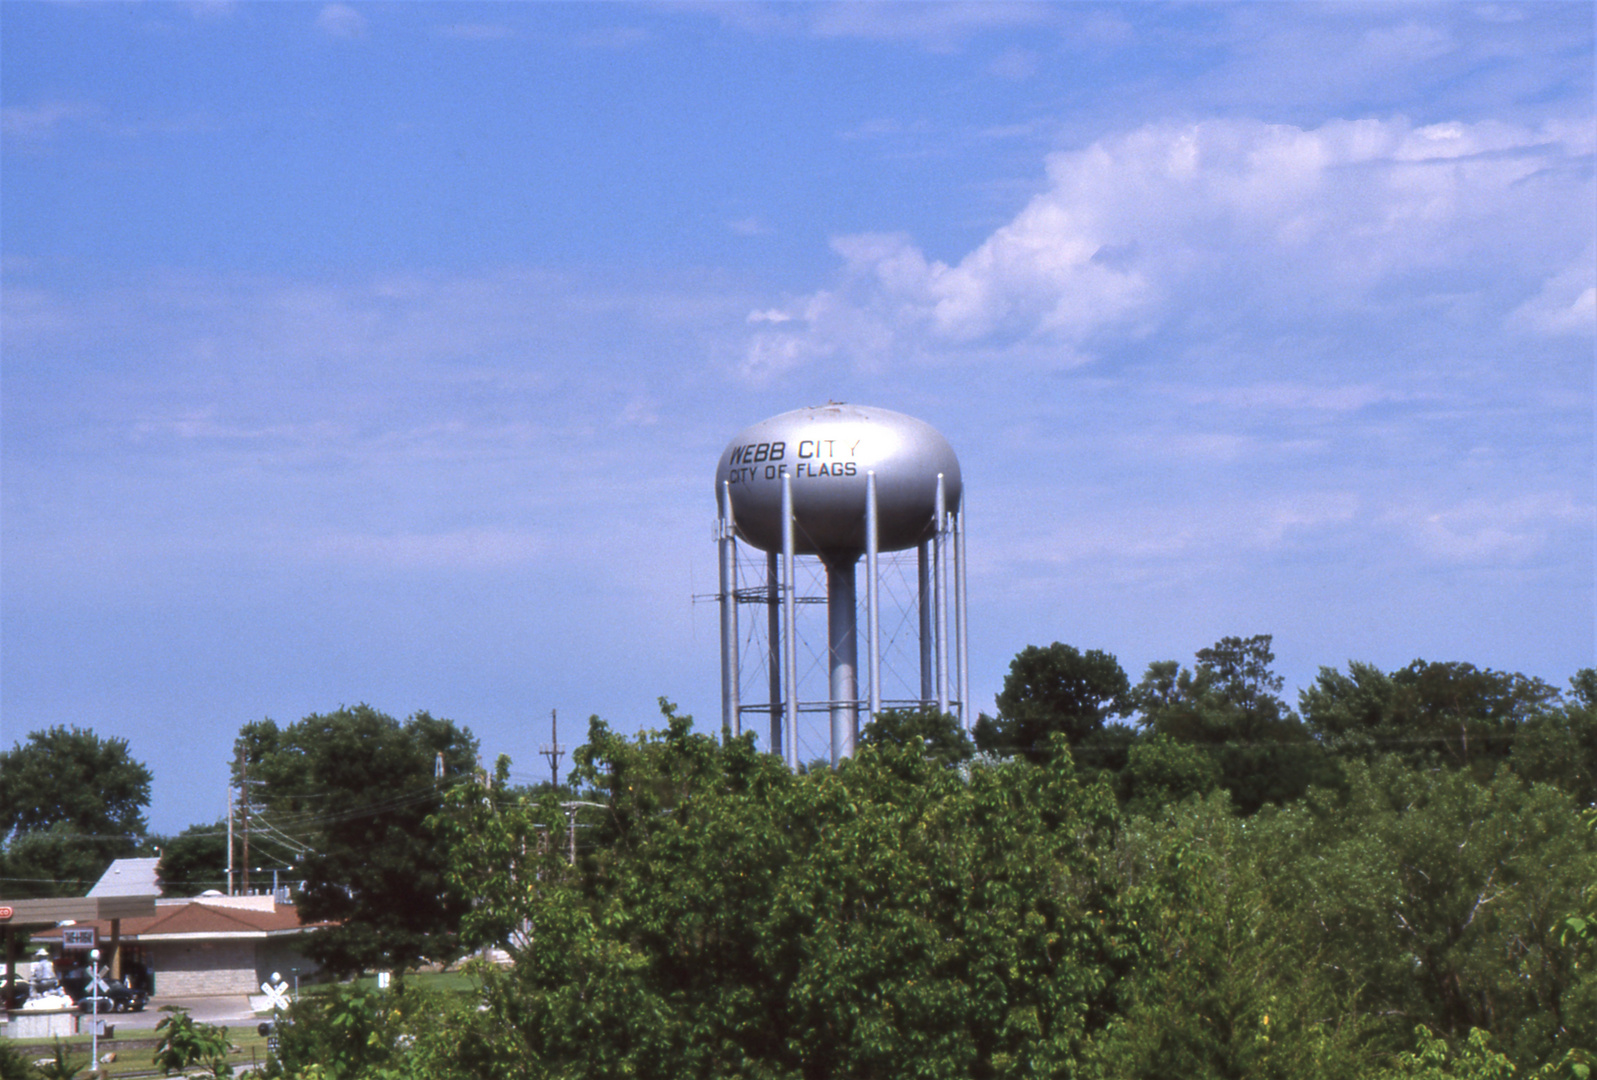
<point>941,609</point>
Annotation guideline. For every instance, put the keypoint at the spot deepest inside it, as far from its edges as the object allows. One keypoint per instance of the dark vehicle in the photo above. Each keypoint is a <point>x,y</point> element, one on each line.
<point>15,991</point>
<point>118,996</point>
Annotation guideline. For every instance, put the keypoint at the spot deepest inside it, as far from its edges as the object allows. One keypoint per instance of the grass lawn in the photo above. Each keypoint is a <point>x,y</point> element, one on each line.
<point>135,1050</point>
<point>442,981</point>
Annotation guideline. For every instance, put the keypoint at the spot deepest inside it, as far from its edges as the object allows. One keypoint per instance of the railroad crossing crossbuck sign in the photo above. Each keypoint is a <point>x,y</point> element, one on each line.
<point>276,994</point>
<point>98,982</point>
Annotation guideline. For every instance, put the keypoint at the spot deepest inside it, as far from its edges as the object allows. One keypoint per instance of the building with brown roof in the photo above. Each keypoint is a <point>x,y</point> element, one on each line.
<point>208,944</point>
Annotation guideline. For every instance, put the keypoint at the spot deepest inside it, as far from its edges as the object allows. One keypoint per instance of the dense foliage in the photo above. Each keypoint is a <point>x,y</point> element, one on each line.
<point>918,912</point>
<point>185,1043</point>
<point>70,802</point>
<point>194,860</point>
<point>349,793</point>
<point>1178,877</point>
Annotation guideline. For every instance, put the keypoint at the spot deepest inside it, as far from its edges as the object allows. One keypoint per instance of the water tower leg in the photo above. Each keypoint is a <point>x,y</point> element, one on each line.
<point>923,587</point>
<point>731,717</point>
<point>842,648</point>
<point>789,645</point>
<point>962,630</point>
<point>873,622</point>
<point>940,591</point>
<point>773,641</point>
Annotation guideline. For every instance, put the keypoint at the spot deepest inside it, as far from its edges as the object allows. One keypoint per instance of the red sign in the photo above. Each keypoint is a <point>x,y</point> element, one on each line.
<point>5,913</point>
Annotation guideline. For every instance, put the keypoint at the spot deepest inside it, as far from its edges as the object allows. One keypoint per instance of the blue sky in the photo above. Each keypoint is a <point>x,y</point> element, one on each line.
<point>383,353</point>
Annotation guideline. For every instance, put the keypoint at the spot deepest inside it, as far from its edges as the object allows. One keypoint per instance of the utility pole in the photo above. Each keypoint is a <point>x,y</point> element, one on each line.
<point>230,839</point>
<point>553,750</point>
<point>244,810</point>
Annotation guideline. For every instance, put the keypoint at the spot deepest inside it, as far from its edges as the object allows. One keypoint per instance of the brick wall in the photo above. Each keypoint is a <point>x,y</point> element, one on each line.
<point>200,968</point>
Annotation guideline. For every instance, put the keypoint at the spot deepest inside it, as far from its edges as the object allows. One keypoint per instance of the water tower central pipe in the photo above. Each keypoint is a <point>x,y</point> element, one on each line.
<point>842,653</point>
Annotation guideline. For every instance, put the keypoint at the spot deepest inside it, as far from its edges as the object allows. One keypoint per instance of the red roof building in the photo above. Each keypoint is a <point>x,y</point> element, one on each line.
<point>209,945</point>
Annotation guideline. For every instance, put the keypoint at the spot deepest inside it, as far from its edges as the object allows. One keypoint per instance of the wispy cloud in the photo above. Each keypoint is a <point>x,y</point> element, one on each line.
<point>1492,531</point>
<point>341,21</point>
<point>41,121</point>
<point>1566,303</point>
<point>614,38</point>
<point>476,31</point>
<point>749,226</point>
<point>936,27</point>
<point>210,10</point>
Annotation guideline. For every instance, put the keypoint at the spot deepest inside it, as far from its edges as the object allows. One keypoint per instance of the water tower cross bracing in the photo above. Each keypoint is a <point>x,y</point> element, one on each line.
<point>835,483</point>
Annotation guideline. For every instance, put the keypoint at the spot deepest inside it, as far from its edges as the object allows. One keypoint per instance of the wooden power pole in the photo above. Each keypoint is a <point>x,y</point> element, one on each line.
<point>553,750</point>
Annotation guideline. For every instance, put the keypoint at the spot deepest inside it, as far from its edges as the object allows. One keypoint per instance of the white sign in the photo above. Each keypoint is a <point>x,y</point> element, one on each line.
<point>276,995</point>
<point>101,988</point>
<point>78,937</point>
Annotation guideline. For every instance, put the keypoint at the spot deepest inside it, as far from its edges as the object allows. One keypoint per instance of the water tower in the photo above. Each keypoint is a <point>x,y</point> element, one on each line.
<point>834,483</point>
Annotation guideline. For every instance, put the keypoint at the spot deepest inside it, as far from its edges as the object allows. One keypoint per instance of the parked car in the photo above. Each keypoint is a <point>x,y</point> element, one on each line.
<point>118,996</point>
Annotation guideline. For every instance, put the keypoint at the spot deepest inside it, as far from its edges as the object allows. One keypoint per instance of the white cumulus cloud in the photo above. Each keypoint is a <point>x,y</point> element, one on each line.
<point>1201,219</point>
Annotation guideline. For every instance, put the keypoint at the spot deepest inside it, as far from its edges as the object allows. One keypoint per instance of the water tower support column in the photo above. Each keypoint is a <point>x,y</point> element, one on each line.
<point>923,593</point>
<point>773,639</point>
<point>940,590</point>
<point>873,622</point>
<point>731,716</point>
<point>961,627</point>
<point>789,646</point>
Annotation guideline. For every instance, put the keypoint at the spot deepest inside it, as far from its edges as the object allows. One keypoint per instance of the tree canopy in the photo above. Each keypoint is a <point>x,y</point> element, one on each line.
<point>73,777</point>
<point>70,803</point>
<point>1229,706</point>
<point>908,915</point>
<point>1232,897</point>
<point>727,917</point>
<point>194,860</point>
<point>347,795</point>
<point>1454,712</point>
<point>1054,689</point>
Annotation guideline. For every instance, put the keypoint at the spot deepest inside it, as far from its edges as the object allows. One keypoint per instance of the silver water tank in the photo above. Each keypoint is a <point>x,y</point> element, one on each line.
<point>828,451</point>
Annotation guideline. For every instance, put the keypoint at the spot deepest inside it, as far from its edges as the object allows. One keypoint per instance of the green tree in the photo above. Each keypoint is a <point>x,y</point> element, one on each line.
<point>183,1043</point>
<point>1227,989</point>
<point>59,861</point>
<point>1053,689</point>
<point>1559,746</point>
<point>194,860</point>
<point>1439,899</point>
<point>1160,771</point>
<point>352,790</point>
<point>1456,713</point>
<point>1229,706</point>
<point>727,917</point>
<point>944,741</point>
<point>70,802</point>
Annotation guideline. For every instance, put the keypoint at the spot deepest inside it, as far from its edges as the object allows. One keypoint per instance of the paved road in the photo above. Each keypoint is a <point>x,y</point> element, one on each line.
<point>229,1010</point>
